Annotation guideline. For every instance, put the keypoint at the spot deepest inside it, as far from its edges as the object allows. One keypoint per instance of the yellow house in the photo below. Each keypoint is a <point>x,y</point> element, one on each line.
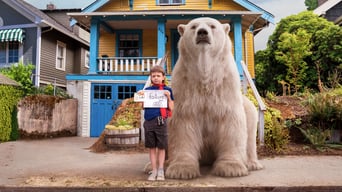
<point>127,37</point>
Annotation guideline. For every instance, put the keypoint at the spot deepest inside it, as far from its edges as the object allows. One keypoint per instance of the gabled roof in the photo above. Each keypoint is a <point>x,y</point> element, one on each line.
<point>40,18</point>
<point>244,3</point>
<point>321,10</point>
<point>7,81</point>
<point>254,15</point>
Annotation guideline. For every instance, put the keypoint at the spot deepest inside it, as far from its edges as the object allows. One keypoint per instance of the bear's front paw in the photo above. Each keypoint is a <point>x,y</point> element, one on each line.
<point>148,167</point>
<point>182,171</point>
<point>229,169</point>
<point>254,165</point>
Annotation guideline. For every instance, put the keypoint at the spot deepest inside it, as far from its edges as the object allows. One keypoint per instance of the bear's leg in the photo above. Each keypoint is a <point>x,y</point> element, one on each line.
<point>230,147</point>
<point>252,121</point>
<point>185,139</point>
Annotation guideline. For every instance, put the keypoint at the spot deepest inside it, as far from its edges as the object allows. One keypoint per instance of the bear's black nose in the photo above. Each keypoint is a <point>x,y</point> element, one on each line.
<point>202,32</point>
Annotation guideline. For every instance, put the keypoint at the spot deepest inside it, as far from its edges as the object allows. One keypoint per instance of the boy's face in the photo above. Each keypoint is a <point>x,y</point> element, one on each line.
<point>157,77</point>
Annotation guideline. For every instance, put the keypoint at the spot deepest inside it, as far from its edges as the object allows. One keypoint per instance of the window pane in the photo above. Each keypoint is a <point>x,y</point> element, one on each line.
<point>164,1</point>
<point>177,1</point>
<point>3,53</point>
<point>13,52</point>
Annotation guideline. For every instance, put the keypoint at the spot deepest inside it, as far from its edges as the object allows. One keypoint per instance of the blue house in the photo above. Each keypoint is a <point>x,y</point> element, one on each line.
<point>128,37</point>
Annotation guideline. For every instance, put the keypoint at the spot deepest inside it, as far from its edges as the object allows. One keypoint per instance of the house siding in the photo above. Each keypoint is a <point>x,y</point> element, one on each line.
<point>149,43</point>
<point>11,16</point>
<point>249,60</point>
<point>48,65</point>
<point>107,44</point>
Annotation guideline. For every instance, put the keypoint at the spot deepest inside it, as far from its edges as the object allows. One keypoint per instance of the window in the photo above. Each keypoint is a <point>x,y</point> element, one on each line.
<point>9,53</point>
<point>170,2</point>
<point>129,45</point>
<point>102,92</point>
<point>60,55</point>
<point>87,59</point>
<point>125,92</point>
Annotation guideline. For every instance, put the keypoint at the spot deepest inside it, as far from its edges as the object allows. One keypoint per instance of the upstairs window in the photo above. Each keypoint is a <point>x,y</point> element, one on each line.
<point>170,2</point>
<point>129,45</point>
<point>60,55</point>
<point>9,53</point>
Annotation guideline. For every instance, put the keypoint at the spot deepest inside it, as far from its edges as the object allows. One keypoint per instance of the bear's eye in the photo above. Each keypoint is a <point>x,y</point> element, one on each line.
<point>193,27</point>
<point>212,26</point>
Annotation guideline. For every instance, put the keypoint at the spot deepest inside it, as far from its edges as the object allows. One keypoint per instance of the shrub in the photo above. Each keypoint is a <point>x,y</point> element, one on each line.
<point>325,110</point>
<point>8,113</point>
<point>22,74</point>
<point>276,135</point>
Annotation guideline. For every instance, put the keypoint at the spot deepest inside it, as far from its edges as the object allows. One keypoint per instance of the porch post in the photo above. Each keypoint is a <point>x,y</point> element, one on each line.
<point>94,45</point>
<point>238,43</point>
<point>161,37</point>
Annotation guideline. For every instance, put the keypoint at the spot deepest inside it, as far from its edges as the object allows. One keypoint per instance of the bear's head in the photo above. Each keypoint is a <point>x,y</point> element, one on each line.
<point>203,34</point>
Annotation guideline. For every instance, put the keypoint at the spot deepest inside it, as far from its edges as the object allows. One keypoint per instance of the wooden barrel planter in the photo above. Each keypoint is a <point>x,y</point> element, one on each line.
<point>122,137</point>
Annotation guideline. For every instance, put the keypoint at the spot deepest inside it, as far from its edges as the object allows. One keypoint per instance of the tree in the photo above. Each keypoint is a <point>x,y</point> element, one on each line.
<point>325,59</point>
<point>292,49</point>
<point>311,4</point>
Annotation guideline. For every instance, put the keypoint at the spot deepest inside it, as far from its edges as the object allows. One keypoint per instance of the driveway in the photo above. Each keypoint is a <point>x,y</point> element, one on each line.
<point>66,162</point>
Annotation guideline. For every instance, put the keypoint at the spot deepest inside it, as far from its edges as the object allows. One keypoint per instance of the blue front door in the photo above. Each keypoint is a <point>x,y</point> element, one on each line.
<point>106,98</point>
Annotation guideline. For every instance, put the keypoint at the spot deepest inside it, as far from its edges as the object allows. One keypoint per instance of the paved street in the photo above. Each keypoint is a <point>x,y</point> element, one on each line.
<point>66,162</point>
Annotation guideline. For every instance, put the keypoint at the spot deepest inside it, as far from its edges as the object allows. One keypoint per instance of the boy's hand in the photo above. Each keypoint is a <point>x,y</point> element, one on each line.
<point>167,94</point>
<point>141,92</point>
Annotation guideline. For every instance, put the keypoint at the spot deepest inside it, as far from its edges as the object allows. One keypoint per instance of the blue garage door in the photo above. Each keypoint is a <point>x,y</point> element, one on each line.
<point>106,98</point>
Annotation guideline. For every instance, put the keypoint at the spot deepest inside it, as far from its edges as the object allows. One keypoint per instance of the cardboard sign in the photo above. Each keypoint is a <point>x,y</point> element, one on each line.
<point>152,99</point>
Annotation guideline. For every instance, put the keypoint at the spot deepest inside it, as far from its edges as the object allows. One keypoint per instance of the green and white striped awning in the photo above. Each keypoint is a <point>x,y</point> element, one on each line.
<point>12,35</point>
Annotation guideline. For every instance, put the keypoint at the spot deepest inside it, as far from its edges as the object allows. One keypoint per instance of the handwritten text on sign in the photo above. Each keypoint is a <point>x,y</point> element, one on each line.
<point>152,99</point>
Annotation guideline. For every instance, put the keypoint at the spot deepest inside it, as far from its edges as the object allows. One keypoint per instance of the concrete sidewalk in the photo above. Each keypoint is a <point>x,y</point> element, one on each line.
<point>66,162</point>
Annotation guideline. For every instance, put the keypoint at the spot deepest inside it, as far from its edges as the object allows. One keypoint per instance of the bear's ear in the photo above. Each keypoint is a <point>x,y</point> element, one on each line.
<point>226,27</point>
<point>181,29</point>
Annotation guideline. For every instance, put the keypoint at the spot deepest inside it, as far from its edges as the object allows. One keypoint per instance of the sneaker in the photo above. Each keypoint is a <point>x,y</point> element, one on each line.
<point>152,176</point>
<point>160,176</point>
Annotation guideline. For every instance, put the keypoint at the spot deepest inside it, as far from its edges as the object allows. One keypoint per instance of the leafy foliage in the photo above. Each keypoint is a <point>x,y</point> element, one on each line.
<point>321,47</point>
<point>51,90</point>
<point>292,48</point>
<point>325,110</point>
<point>8,115</point>
<point>22,74</point>
<point>311,4</point>
<point>276,136</point>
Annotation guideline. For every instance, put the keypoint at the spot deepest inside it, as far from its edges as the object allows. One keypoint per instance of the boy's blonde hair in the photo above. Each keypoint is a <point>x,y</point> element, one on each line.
<point>157,68</point>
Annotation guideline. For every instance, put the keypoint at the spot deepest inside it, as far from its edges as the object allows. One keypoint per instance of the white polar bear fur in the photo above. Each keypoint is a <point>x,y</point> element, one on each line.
<point>209,123</point>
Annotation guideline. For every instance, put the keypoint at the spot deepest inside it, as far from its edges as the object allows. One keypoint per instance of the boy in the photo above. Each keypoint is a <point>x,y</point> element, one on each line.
<point>155,124</point>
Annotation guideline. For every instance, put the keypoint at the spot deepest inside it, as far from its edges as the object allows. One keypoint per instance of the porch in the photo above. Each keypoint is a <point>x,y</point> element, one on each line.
<point>126,65</point>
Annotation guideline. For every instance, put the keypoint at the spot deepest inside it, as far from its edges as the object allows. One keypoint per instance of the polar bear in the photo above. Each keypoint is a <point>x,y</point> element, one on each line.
<point>212,123</point>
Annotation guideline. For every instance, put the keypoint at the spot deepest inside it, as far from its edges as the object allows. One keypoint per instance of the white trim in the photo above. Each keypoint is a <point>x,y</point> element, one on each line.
<point>86,59</point>
<point>63,46</point>
<point>52,83</point>
<point>85,119</point>
<point>118,81</point>
<point>321,10</point>
<point>38,52</point>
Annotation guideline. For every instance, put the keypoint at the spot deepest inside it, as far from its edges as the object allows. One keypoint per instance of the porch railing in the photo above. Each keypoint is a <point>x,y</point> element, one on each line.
<point>261,105</point>
<point>125,64</point>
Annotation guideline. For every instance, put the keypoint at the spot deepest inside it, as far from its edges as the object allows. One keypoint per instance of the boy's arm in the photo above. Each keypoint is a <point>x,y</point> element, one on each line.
<point>170,103</point>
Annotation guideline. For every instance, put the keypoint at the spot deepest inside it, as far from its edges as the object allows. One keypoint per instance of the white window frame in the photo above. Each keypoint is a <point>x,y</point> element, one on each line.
<point>170,2</point>
<point>20,55</point>
<point>60,57</point>
<point>86,59</point>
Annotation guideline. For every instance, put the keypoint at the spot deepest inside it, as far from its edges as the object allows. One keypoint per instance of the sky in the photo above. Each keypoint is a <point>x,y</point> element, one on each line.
<point>278,8</point>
